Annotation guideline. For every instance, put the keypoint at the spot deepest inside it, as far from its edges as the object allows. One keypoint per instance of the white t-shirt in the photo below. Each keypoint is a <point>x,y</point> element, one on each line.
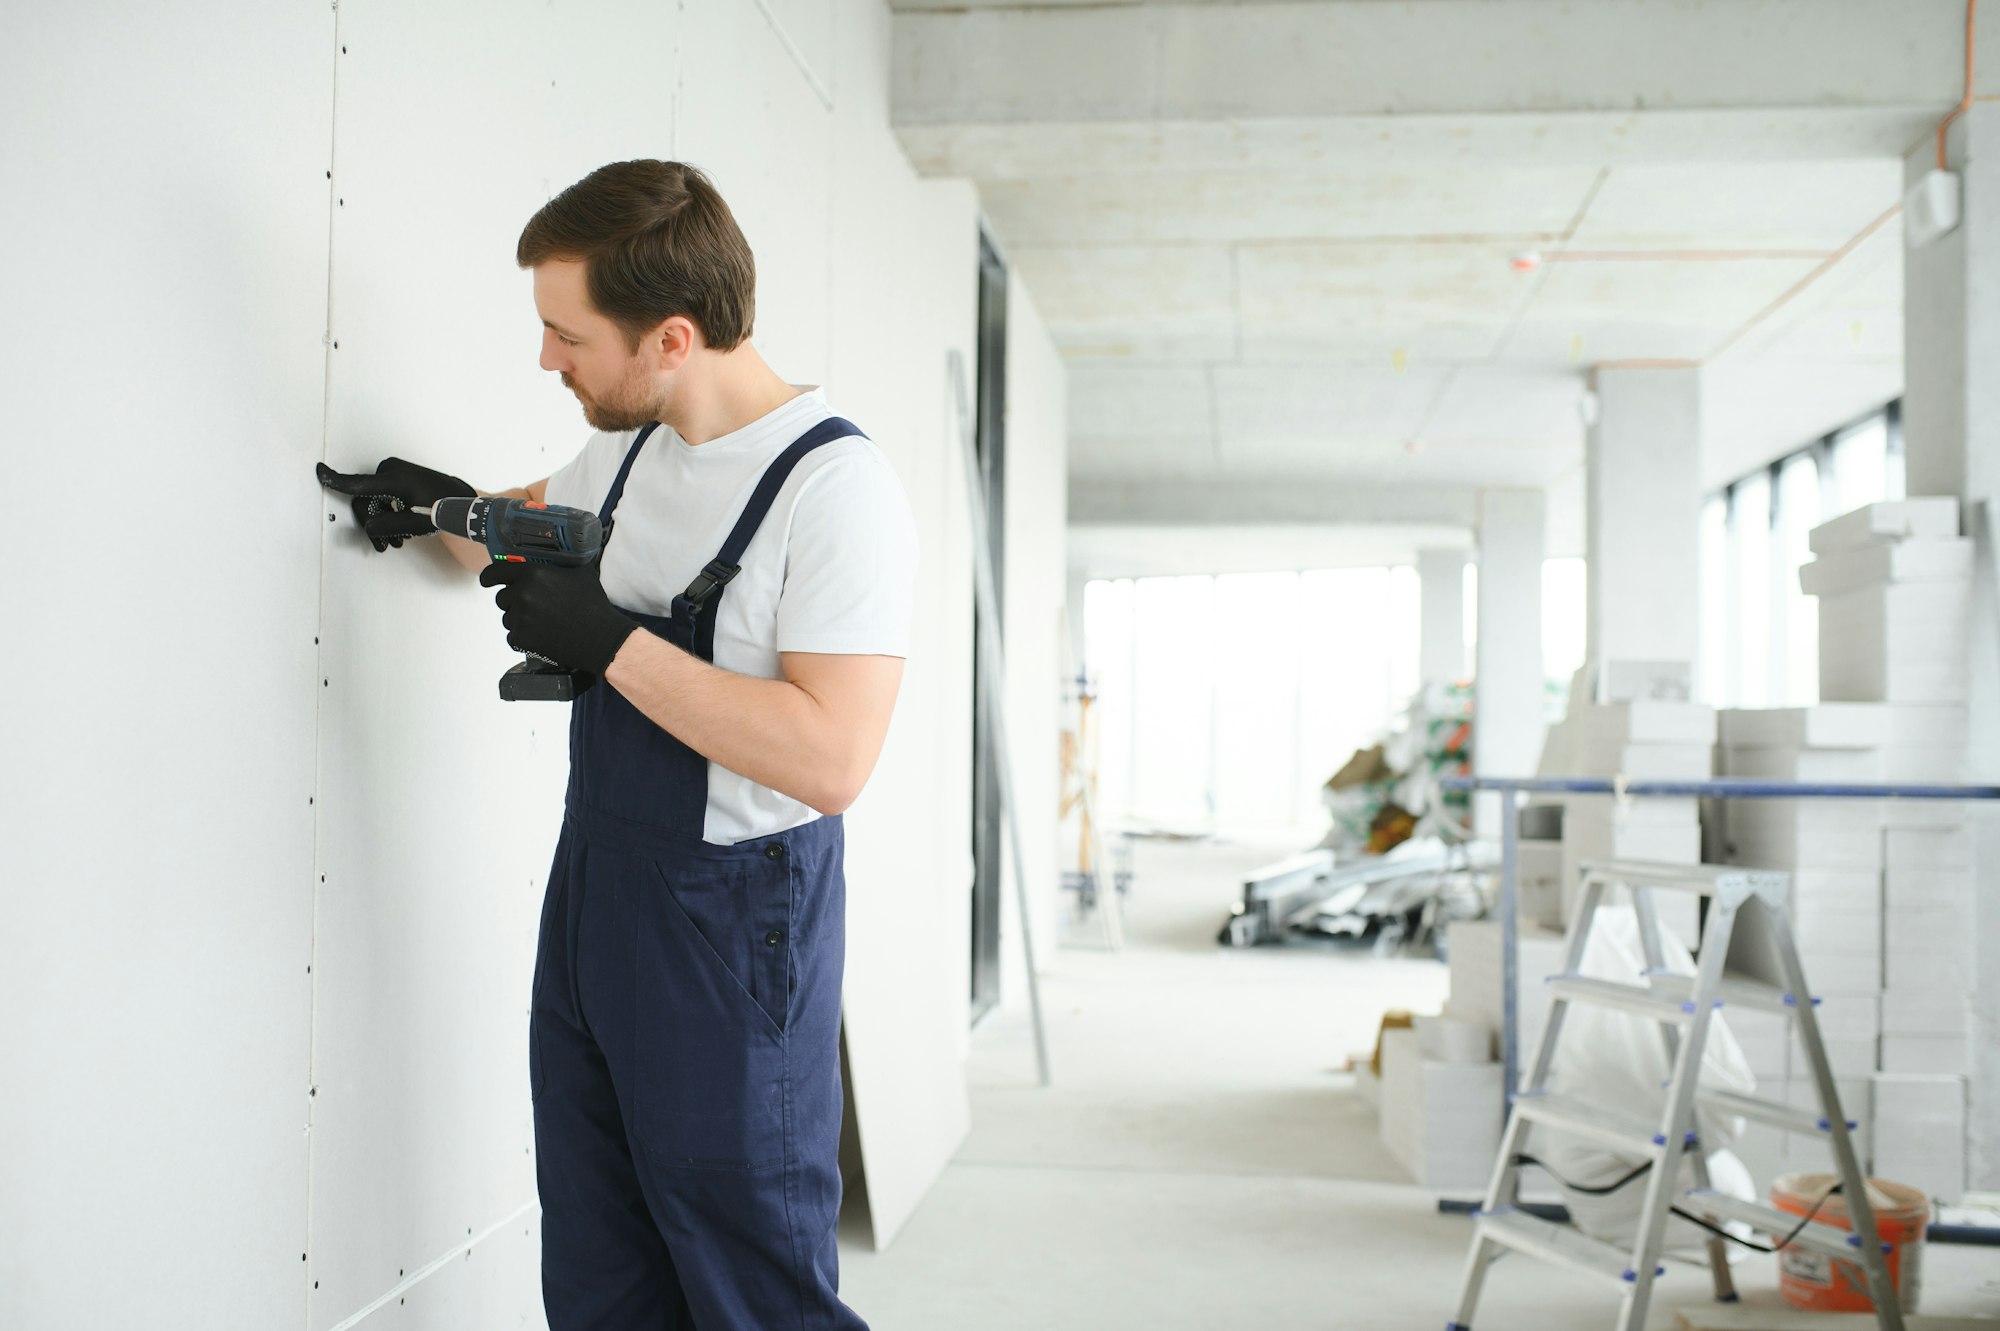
<point>832,569</point>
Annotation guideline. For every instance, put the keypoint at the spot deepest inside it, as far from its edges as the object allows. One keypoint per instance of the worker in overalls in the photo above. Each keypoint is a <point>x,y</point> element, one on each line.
<point>747,626</point>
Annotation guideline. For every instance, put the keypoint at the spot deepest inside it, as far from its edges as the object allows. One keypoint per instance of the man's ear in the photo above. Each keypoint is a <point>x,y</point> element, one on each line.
<point>674,341</point>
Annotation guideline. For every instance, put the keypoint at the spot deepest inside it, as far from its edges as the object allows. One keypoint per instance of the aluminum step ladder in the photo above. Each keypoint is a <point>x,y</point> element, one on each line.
<point>1747,958</point>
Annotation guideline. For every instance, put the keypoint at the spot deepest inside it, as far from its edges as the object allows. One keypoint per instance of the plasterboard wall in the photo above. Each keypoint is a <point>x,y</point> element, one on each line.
<point>904,296</point>
<point>327,1076</point>
<point>165,294</point>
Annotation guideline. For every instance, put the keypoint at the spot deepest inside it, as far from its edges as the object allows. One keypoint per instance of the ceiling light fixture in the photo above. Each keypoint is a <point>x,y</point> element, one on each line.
<point>1526,261</point>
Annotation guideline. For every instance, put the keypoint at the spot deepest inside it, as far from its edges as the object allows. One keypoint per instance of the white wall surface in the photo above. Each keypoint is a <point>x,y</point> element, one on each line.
<point>275,846</point>
<point>1037,517</point>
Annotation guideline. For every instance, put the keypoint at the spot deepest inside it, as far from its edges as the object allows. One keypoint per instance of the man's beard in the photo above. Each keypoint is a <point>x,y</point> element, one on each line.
<point>614,416</point>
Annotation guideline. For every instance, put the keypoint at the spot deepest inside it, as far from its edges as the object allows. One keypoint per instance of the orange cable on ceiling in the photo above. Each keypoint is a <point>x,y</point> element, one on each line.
<point>1965,102</point>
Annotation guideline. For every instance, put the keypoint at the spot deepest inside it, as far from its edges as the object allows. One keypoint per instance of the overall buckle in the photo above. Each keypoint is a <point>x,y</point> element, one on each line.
<point>709,581</point>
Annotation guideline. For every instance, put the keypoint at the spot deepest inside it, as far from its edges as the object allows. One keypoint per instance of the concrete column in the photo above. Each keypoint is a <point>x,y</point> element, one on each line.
<point>1951,427</point>
<point>1643,511</point>
<point>1507,694</point>
<point>1441,596</point>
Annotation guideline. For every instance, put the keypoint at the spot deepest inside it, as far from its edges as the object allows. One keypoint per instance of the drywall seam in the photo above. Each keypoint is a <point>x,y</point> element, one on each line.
<point>319,662</point>
<point>432,1267</point>
<point>798,56</point>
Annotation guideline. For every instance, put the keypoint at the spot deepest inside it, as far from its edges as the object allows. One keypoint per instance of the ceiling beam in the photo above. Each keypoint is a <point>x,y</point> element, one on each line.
<point>1320,499</point>
<point>1333,58</point>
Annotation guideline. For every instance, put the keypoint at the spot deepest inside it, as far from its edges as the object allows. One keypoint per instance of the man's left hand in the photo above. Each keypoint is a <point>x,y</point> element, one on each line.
<point>561,614</point>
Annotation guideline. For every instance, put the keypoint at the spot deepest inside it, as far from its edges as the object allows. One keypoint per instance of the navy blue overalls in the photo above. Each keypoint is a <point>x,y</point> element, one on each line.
<point>684,1046</point>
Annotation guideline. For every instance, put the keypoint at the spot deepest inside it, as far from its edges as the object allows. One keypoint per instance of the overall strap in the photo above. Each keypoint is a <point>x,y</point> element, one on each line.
<point>624,473</point>
<point>728,561</point>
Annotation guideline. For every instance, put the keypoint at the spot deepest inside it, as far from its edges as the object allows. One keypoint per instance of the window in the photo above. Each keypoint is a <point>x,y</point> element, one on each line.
<point>1564,624</point>
<point>1226,702</point>
<point>1759,632</point>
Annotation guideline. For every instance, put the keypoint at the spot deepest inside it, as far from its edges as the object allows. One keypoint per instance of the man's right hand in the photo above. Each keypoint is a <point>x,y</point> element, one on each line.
<point>383,497</point>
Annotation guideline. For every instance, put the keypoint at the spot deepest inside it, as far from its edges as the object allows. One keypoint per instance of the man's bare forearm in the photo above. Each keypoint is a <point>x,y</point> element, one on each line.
<point>776,732</point>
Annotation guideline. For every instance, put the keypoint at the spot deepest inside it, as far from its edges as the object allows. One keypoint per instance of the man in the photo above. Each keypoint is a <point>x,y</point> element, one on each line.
<point>748,620</point>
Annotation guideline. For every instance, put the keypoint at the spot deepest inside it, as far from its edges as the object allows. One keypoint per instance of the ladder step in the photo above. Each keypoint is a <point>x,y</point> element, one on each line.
<point>1736,991</point>
<point>1568,1113</point>
<point>1776,1224</point>
<point>1560,1244</point>
<point>1657,1002</point>
<point>1701,879</point>
<point>1790,1117</point>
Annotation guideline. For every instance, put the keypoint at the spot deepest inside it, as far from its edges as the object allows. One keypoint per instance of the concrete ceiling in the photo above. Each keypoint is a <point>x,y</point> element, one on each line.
<point>1276,242</point>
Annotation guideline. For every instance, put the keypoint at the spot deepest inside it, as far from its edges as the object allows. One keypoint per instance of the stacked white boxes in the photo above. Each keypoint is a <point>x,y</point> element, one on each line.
<point>1475,977</point>
<point>1441,1116</point>
<point>1641,741</point>
<point>1440,1098</point>
<point>1881,889</point>
<point>1894,583</point>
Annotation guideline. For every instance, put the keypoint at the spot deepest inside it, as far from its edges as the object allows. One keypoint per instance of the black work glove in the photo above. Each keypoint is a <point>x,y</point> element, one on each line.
<point>559,614</point>
<point>383,497</point>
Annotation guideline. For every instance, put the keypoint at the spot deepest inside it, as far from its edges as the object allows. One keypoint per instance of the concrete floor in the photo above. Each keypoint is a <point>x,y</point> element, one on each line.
<point>1202,1163</point>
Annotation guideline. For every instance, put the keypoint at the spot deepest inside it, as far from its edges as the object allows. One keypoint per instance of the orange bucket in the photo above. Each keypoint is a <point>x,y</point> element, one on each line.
<point>1826,1284</point>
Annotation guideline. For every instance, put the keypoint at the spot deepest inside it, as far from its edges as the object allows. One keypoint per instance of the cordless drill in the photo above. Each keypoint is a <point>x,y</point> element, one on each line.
<point>521,531</point>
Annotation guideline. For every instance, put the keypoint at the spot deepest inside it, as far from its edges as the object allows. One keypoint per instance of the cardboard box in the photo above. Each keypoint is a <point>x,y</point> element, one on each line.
<point>1902,643</point>
<point>1847,1013</point>
<point>1621,723</point>
<point>1922,518</point>
<point>1608,756</point>
<point>1920,1132</point>
<point>1918,849</point>
<point>1790,764</point>
<point>1843,969</point>
<point>1929,891</point>
<point>1926,725</point>
<point>1923,560</point>
<point>1930,764</point>
<point>1814,1154</point>
<point>1766,1040</point>
<point>1538,871</point>
<point>1926,1011</point>
<point>1441,1121</point>
<point>1816,889</point>
<point>1474,949</point>
<point>1783,833</point>
<point>1830,725</point>
<point>1929,1055</point>
<point>1664,831</point>
<point>1826,925</point>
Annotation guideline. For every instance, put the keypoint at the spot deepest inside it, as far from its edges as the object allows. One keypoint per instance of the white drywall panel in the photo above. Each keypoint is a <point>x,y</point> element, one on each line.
<point>165,217</point>
<point>747,115</point>
<point>491,1279</point>
<point>904,266</point>
<point>1037,521</point>
<point>439,803</point>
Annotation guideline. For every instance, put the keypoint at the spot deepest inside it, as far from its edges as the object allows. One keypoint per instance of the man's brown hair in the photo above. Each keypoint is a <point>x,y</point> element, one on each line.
<point>655,241</point>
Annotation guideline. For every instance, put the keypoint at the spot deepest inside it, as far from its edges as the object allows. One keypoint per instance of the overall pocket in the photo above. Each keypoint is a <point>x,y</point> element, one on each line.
<point>712,991</point>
